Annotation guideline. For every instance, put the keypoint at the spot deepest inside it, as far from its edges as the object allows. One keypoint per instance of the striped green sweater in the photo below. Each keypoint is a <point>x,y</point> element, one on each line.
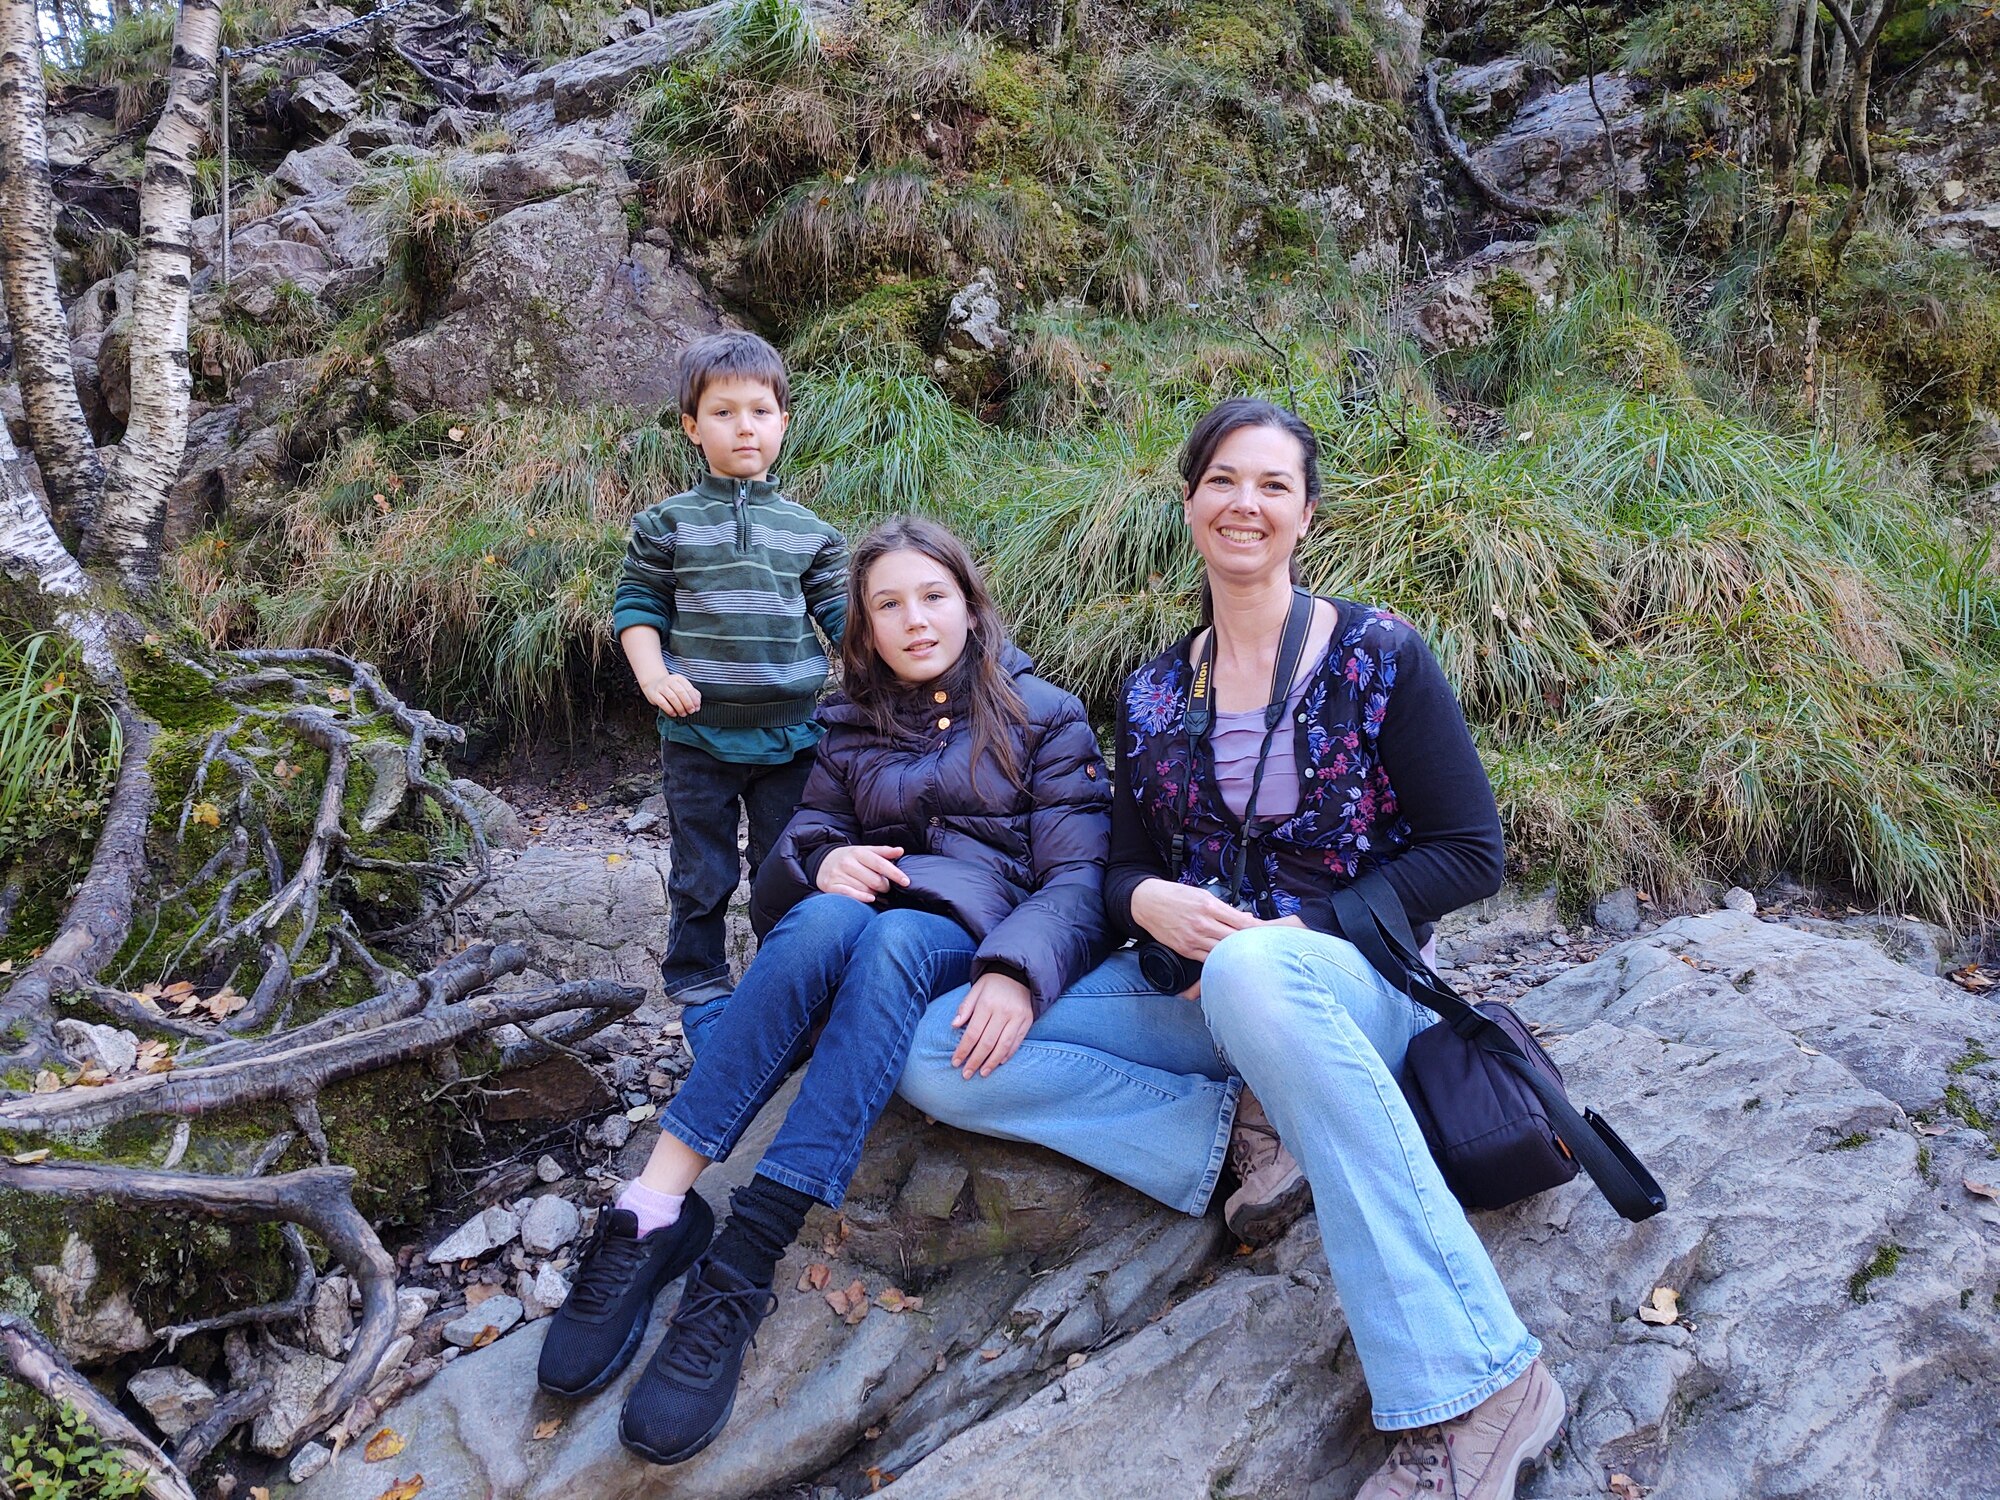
<point>728,573</point>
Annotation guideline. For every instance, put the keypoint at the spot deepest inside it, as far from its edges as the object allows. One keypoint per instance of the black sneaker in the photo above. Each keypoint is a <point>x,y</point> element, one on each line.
<point>597,1330</point>
<point>685,1394</point>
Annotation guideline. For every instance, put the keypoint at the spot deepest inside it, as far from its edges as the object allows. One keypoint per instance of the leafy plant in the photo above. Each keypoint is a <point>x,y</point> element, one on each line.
<point>57,742</point>
<point>63,1460</point>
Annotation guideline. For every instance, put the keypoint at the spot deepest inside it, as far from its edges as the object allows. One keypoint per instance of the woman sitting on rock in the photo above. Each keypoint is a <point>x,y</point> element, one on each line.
<point>954,829</point>
<point>1228,839</point>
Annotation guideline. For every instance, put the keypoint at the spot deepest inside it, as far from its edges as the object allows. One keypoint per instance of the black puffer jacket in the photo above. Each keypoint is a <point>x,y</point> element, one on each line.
<point>1020,868</point>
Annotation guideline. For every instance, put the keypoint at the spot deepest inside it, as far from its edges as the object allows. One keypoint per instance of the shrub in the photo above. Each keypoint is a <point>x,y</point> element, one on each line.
<point>62,1460</point>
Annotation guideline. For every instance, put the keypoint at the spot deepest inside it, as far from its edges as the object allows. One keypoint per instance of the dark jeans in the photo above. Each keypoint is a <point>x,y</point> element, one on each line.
<point>868,976</point>
<point>703,794</point>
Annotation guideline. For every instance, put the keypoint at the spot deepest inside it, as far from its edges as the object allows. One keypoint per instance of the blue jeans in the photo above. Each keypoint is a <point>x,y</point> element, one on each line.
<point>866,976</point>
<point>1320,1038</point>
<point>703,795</point>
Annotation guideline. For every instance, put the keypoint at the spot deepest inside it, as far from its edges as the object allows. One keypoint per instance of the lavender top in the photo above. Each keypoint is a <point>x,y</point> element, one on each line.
<point>1235,739</point>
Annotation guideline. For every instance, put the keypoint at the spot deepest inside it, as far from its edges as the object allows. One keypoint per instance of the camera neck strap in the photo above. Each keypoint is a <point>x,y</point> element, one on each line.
<point>1200,719</point>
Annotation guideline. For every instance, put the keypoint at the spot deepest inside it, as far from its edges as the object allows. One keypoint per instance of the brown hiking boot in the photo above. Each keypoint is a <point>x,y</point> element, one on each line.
<point>1274,1192</point>
<point>1477,1456</point>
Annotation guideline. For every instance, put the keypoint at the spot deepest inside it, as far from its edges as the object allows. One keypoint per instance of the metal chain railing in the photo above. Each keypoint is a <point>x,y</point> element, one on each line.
<point>121,138</point>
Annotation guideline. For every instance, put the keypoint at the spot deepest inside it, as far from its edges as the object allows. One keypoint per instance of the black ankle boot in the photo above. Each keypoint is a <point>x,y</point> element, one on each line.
<point>598,1329</point>
<point>683,1398</point>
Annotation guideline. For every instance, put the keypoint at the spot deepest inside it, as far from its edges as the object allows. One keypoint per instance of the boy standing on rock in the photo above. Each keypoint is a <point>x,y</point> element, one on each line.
<point>712,611</point>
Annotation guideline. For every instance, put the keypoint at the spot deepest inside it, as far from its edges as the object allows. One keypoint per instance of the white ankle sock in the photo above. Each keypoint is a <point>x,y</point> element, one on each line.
<point>652,1210</point>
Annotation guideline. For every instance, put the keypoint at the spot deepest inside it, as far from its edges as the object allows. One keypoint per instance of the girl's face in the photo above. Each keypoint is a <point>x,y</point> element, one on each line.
<point>1248,511</point>
<point>917,617</point>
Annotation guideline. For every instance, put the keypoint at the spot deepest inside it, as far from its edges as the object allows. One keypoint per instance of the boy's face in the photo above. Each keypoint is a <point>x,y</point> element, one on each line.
<point>739,427</point>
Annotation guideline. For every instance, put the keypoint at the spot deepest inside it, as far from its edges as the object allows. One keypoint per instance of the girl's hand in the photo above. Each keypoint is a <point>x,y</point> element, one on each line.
<point>995,1016</point>
<point>862,871</point>
<point>1186,918</point>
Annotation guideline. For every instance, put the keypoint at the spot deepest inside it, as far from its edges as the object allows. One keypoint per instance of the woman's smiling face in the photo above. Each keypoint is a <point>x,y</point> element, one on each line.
<point>1249,509</point>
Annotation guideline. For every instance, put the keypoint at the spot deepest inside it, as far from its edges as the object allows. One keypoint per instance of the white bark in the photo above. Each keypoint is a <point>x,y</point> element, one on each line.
<point>31,554</point>
<point>135,497</point>
<point>56,429</point>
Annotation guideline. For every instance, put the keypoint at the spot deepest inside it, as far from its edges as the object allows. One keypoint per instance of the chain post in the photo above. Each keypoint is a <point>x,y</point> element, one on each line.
<point>224,61</point>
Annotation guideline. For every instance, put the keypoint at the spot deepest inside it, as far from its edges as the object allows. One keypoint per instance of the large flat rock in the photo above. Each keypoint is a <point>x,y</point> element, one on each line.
<point>1802,1097</point>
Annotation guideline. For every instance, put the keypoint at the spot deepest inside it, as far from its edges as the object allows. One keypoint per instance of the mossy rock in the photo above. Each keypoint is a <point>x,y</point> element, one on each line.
<point>1641,356</point>
<point>890,326</point>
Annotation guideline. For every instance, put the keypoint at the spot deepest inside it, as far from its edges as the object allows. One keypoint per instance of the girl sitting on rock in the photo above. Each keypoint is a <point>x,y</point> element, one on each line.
<point>954,828</point>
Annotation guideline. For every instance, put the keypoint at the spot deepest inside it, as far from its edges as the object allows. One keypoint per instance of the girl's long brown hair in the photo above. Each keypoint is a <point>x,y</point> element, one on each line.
<point>993,705</point>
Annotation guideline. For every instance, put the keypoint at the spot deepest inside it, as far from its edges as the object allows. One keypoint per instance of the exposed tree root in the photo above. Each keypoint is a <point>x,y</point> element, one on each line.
<point>31,1359</point>
<point>1491,191</point>
<point>100,916</point>
<point>297,1073</point>
<point>319,1199</point>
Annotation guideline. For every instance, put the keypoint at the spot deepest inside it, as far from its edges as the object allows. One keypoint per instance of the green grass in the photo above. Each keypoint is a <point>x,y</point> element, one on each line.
<point>57,742</point>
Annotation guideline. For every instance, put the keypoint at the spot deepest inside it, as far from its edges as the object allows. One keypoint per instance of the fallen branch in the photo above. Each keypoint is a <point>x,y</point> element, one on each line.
<point>35,1362</point>
<point>298,1073</point>
<point>1491,191</point>
<point>319,1199</point>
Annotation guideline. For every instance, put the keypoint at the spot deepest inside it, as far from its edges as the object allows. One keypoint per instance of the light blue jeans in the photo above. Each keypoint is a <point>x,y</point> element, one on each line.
<point>1143,1086</point>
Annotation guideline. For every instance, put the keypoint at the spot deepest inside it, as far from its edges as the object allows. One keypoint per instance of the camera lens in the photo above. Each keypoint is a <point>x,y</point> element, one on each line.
<point>1165,970</point>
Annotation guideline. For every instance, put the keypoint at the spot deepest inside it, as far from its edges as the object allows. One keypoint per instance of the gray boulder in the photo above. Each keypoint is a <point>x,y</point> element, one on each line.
<point>557,303</point>
<point>594,83</point>
<point>583,915</point>
<point>1804,1100</point>
<point>173,1398</point>
<point>1552,151</point>
<point>1469,303</point>
<point>321,102</point>
<point>497,818</point>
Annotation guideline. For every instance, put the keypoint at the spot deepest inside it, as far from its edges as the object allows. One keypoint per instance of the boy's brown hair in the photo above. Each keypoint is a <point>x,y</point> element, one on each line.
<point>733,354</point>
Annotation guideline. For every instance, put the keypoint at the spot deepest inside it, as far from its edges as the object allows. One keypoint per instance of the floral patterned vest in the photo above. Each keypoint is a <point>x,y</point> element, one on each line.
<point>1347,808</point>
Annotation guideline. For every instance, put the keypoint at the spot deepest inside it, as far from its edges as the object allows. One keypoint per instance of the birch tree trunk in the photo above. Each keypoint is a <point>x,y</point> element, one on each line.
<point>133,512</point>
<point>33,556</point>
<point>56,431</point>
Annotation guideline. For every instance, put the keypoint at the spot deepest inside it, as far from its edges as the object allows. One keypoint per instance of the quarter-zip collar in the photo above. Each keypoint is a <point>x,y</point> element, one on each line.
<point>741,495</point>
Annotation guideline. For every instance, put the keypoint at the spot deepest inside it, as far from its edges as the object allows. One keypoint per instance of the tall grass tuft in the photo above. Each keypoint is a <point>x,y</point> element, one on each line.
<point>431,221</point>
<point>58,743</point>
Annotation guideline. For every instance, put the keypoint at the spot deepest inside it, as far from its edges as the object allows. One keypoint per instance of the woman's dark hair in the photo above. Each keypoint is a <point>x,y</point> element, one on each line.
<point>1230,416</point>
<point>994,706</point>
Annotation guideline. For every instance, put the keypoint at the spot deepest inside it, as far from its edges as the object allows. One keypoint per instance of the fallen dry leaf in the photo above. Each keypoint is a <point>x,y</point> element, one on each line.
<point>1075,1361</point>
<point>403,1489</point>
<point>339,695</point>
<point>1663,1308</point>
<point>871,1433</point>
<point>154,1058</point>
<point>207,814</point>
<point>47,1081</point>
<point>836,1236</point>
<point>1625,1487</point>
<point>224,1002</point>
<point>6,965</point>
<point>1973,1186</point>
<point>258,1492</point>
<point>285,770</point>
<point>1933,1130</point>
<point>29,1158</point>
<point>877,1478</point>
<point>614,860</point>
<point>385,1444</point>
<point>814,1278</point>
<point>991,1354</point>
<point>478,1292</point>
<point>639,1113</point>
<point>93,1077</point>
<point>891,1299</point>
<point>1973,977</point>
<point>485,1336</point>
<point>547,1429</point>
<point>579,807</point>
<point>1810,1051</point>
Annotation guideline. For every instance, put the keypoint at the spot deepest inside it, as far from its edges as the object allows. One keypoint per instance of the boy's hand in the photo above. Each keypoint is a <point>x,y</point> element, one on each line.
<point>862,871</point>
<point>996,1014</point>
<point>672,694</point>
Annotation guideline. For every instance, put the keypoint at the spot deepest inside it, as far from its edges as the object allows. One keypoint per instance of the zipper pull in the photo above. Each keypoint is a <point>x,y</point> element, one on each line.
<point>742,515</point>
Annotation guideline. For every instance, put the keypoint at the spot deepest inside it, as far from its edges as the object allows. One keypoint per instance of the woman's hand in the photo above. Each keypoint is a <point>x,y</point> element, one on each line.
<point>996,1014</point>
<point>862,871</point>
<point>1186,918</point>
